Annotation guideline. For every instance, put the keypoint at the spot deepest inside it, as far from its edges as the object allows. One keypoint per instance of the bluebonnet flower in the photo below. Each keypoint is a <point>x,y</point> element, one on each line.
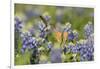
<point>86,51</point>
<point>49,46</point>
<point>42,34</point>
<point>33,42</point>
<point>17,28</point>
<point>78,46</point>
<point>32,31</point>
<point>42,29</point>
<point>70,46</point>
<point>28,41</point>
<point>22,34</point>
<point>67,27</point>
<point>88,29</point>
<point>47,16</point>
<point>69,31</point>
<point>74,49</point>
<point>18,25</point>
<point>41,26</point>
<point>70,36</point>
<point>65,49</point>
<point>86,56</point>
<point>76,34</point>
<point>24,44</point>
<point>55,55</point>
<point>90,40</point>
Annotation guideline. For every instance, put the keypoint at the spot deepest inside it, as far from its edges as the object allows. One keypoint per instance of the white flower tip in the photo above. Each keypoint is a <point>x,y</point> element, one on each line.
<point>68,25</point>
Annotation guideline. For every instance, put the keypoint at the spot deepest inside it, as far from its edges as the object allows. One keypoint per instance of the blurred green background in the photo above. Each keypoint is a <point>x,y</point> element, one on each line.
<point>77,16</point>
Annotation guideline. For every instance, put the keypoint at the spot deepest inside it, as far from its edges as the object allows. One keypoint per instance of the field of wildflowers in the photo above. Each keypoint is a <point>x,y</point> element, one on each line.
<point>52,34</point>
